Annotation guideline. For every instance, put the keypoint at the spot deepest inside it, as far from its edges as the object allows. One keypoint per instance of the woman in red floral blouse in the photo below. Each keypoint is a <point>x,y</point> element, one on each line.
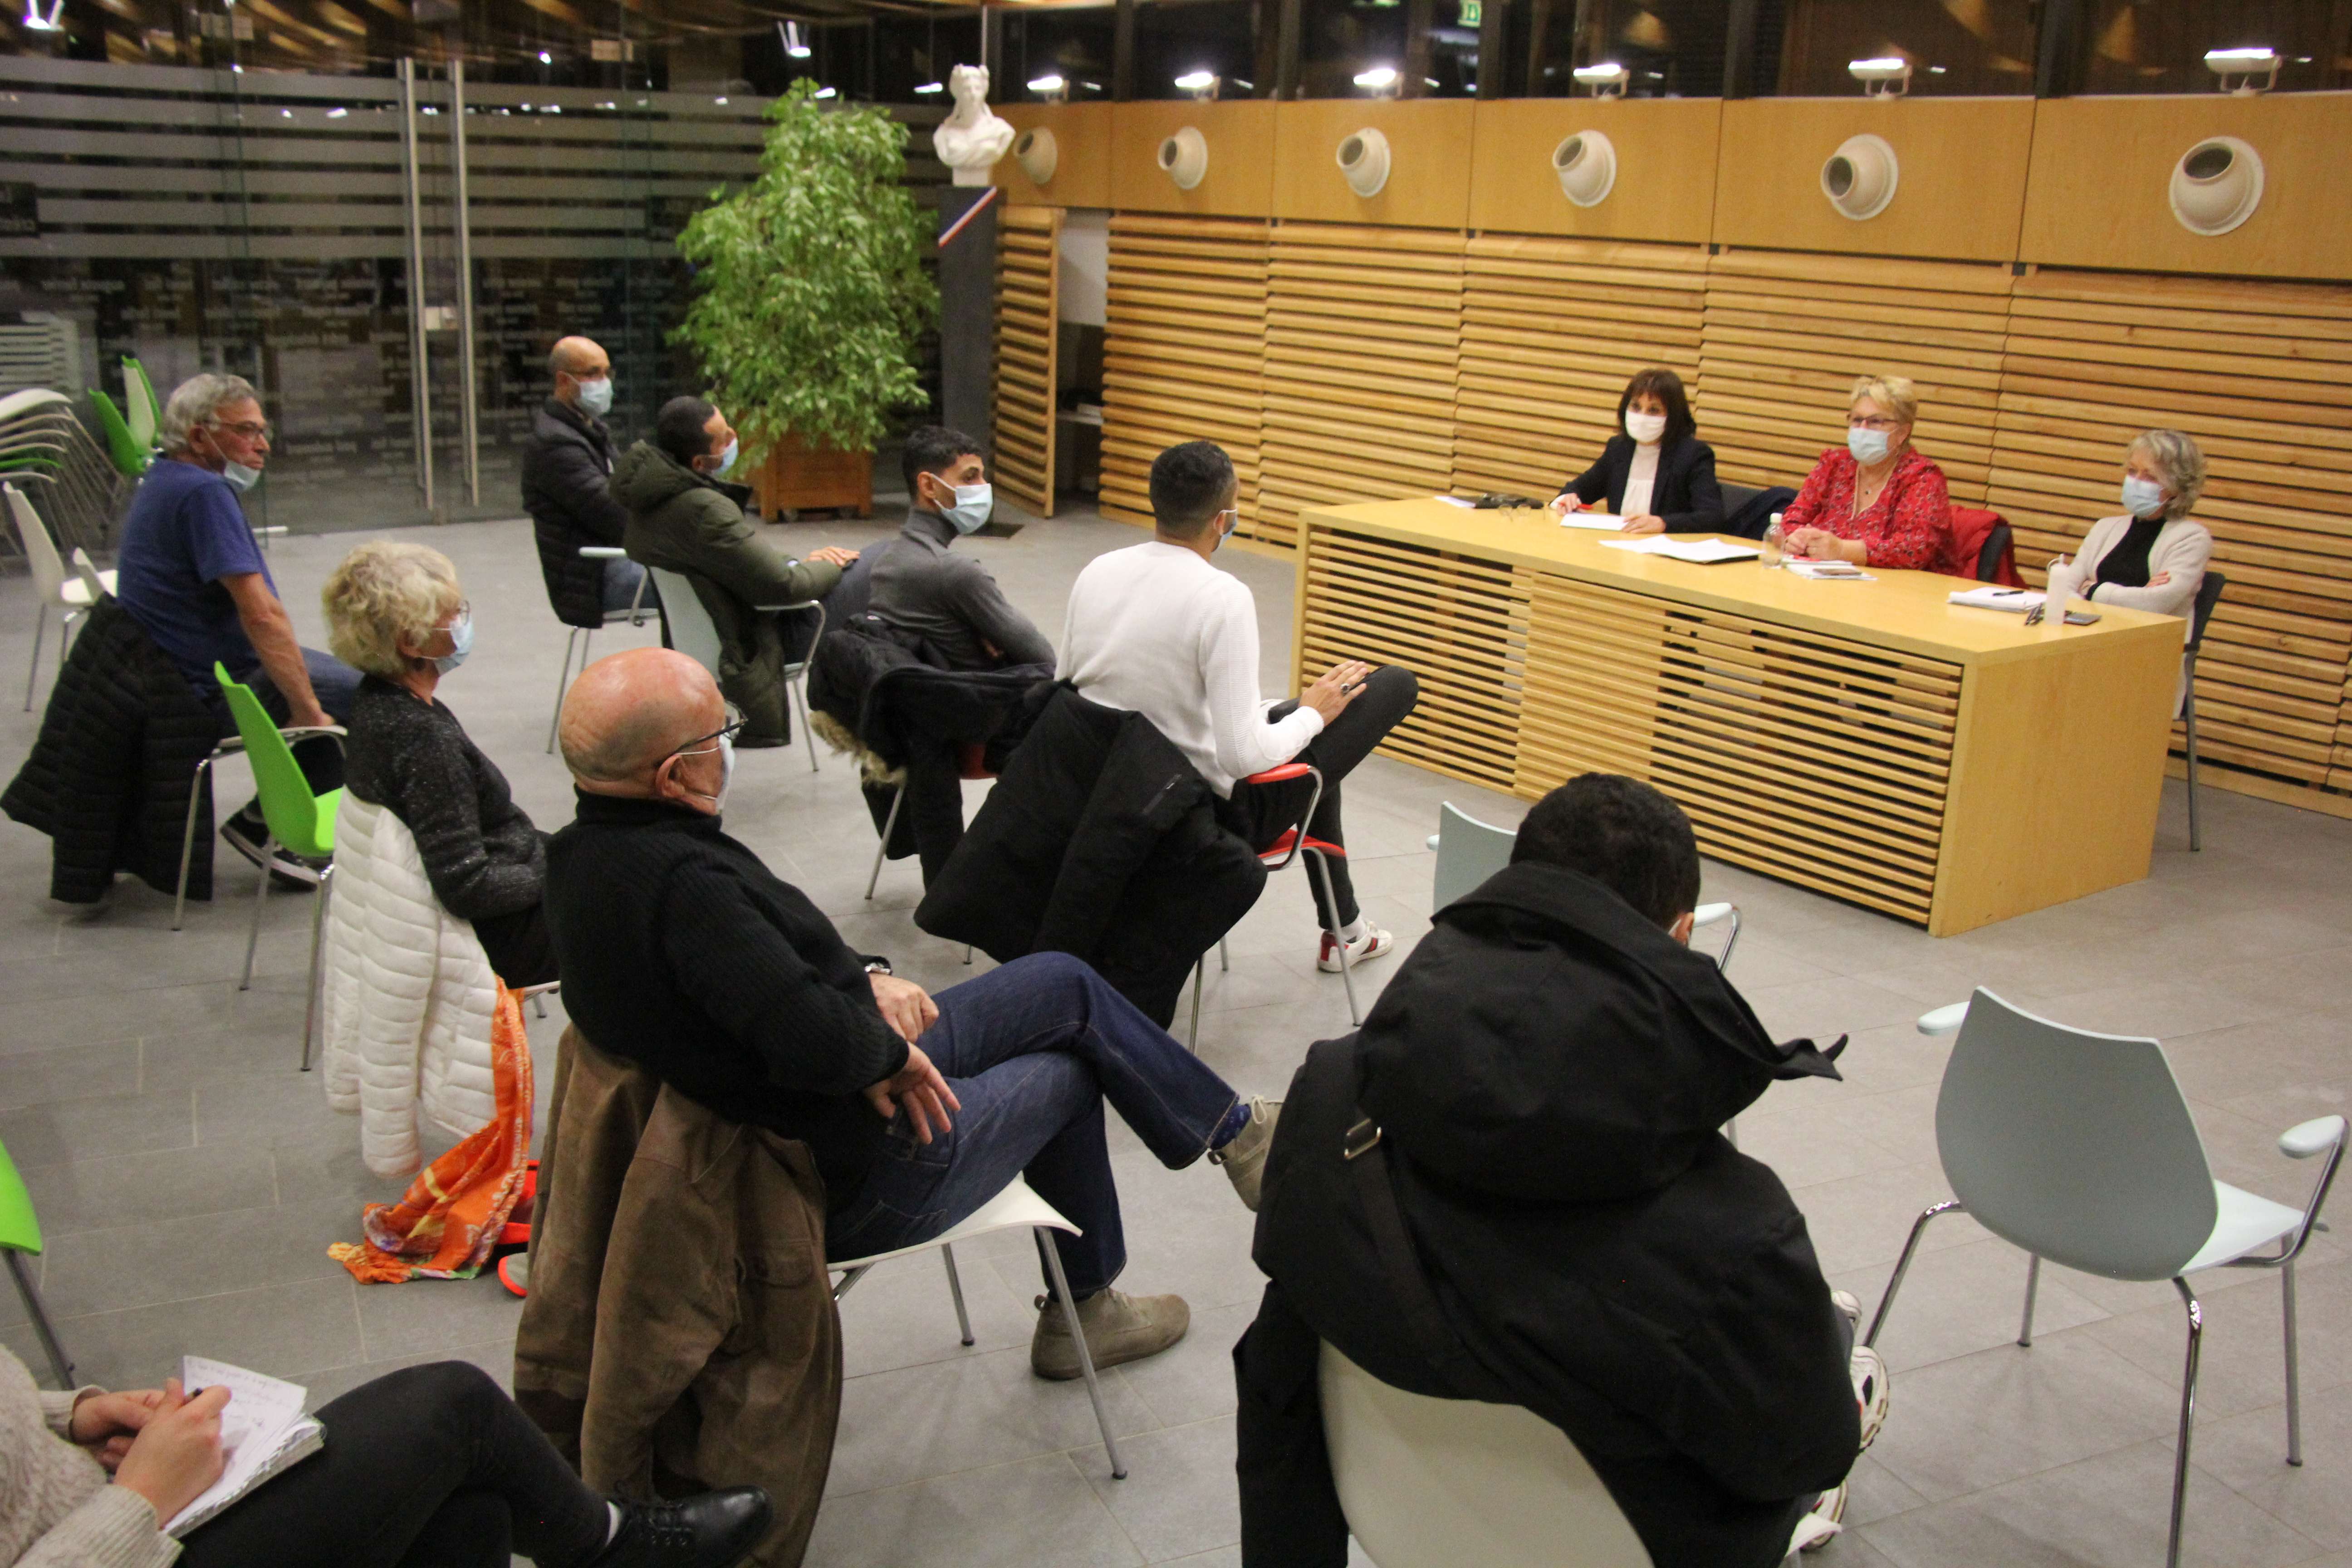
<point>1878,502</point>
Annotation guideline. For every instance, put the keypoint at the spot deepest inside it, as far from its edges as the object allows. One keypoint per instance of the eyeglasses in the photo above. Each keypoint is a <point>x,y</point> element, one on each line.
<point>251,429</point>
<point>1872,422</point>
<point>695,747</point>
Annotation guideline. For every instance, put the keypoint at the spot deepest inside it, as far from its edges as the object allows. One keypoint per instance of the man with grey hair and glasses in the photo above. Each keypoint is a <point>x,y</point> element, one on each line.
<point>190,572</point>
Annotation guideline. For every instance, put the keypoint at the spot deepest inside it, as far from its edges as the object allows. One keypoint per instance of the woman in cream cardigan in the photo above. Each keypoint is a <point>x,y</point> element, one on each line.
<point>2153,556</point>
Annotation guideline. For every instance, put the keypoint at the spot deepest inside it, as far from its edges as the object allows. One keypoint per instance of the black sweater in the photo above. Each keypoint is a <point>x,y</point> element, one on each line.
<point>481,854</point>
<point>683,954</point>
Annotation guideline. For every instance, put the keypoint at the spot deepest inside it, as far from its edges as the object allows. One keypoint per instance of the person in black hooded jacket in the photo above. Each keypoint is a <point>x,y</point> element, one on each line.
<point>1541,1211</point>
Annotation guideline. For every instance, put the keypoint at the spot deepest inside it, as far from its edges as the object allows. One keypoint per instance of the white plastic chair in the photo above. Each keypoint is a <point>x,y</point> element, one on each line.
<point>1457,1483</point>
<point>582,635</point>
<point>51,586</point>
<point>1017,1207</point>
<point>2080,1148</point>
<point>692,633</point>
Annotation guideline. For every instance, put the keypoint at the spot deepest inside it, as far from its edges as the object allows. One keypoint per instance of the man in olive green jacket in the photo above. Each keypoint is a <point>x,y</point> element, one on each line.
<point>684,517</point>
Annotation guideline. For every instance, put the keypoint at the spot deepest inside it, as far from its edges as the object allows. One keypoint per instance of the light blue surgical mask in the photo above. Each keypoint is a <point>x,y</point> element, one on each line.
<point>1867,446</point>
<point>461,643</point>
<point>238,475</point>
<point>2142,498</point>
<point>596,397</point>
<point>727,459</point>
<point>1224,533</point>
<point>973,505</point>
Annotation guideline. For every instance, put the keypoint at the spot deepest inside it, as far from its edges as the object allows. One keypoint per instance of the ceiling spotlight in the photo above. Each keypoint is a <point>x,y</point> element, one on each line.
<point>546,58</point>
<point>1888,76</point>
<point>1053,86</point>
<point>1379,78</point>
<point>796,44</point>
<point>929,88</point>
<point>1605,79</point>
<point>822,92</point>
<point>36,22</point>
<point>1200,84</point>
<point>2245,65</point>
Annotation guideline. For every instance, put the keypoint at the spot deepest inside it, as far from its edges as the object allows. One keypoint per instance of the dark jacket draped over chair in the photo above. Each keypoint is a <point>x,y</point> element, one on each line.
<point>1099,841</point>
<point>680,1332</point>
<point>1684,494</point>
<point>884,694</point>
<point>567,470</point>
<point>108,778</point>
<point>1548,1071</point>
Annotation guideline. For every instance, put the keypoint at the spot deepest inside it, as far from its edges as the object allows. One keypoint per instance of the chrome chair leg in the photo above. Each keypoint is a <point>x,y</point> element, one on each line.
<point>889,826</point>
<point>2294,1381</point>
<point>1086,1357</point>
<point>2188,1421</point>
<point>1322,868</point>
<point>1903,1266</point>
<point>2189,713</point>
<point>1199,975</point>
<point>260,895</point>
<point>60,1364</point>
<point>188,839</point>
<point>1224,959</point>
<point>799,689</point>
<point>2033,1282</point>
<point>318,930</point>
<point>40,626</point>
<point>955,1289</point>
<point>564,676</point>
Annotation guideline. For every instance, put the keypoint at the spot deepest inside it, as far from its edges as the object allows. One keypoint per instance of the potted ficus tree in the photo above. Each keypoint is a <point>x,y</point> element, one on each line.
<point>809,300</point>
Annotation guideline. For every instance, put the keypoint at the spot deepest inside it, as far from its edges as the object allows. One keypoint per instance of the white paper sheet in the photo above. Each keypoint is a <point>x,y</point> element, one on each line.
<point>1599,522</point>
<point>260,1412</point>
<point>2015,600</point>
<point>1828,570</point>
<point>1465,502</point>
<point>1699,551</point>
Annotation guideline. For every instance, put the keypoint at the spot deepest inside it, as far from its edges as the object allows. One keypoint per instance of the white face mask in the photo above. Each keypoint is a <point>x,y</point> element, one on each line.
<point>1867,446</point>
<point>726,750</point>
<point>2142,498</point>
<point>238,475</point>
<point>968,512</point>
<point>596,397</point>
<point>1644,427</point>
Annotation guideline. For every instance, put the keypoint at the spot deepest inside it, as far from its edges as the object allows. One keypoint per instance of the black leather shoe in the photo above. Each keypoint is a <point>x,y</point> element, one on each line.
<point>713,1530</point>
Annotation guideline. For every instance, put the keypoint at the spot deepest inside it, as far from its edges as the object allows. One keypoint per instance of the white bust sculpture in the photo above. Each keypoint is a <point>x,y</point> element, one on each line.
<point>972,139</point>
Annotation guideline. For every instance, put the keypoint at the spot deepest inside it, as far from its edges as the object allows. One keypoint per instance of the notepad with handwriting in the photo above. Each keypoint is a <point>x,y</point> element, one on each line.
<point>263,1433</point>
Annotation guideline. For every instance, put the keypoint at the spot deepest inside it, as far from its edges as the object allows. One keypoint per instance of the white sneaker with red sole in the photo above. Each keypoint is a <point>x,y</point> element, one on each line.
<point>1374,944</point>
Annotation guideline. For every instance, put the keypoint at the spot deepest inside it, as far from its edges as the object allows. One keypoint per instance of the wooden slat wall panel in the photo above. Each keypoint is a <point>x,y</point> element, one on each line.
<point>1787,333</point>
<point>1363,334</point>
<point>1551,330</point>
<point>1461,624</point>
<point>1184,352</point>
<point>1028,309</point>
<point>1760,733</point>
<point>2260,376</point>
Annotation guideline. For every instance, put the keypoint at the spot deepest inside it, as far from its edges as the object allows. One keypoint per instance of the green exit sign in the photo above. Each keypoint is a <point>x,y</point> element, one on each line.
<point>1472,10</point>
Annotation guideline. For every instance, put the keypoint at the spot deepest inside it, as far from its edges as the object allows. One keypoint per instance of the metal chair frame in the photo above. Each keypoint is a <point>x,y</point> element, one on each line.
<point>582,637</point>
<point>2209,595</point>
<point>1320,869</point>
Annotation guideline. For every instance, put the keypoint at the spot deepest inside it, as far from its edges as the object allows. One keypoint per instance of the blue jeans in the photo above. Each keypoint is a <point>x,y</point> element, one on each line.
<point>622,578</point>
<point>1033,1050</point>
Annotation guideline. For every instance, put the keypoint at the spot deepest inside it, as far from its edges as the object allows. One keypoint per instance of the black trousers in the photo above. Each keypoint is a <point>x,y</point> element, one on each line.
<point>1260,814</point>
<point>520,949</point>
<point>430,1468</point>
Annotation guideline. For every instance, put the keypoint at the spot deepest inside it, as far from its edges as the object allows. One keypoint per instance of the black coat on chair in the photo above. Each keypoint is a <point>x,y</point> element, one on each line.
<point>1685,492</point>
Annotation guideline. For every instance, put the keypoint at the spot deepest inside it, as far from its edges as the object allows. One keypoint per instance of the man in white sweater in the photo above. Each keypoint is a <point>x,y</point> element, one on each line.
<point>1156,629</point>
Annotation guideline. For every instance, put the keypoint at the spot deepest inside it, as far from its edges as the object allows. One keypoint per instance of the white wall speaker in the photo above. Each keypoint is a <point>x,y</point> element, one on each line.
<point>1185,156</point>
<point>1860,177</point>
<point>1034,150</point>
<point>1364,159</point>
<point>2217,185</point>
<point>1586,163</point>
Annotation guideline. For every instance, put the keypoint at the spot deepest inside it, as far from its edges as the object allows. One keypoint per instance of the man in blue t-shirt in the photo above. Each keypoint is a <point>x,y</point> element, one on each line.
<point>190,571</point>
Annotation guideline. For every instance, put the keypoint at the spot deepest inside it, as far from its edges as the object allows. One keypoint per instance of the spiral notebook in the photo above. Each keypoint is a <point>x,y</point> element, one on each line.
<point>263,1433</point>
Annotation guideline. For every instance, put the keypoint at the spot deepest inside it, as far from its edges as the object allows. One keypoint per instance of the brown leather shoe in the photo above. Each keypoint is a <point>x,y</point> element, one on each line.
<point>1119,1328</point>
<point>1244,1158</point>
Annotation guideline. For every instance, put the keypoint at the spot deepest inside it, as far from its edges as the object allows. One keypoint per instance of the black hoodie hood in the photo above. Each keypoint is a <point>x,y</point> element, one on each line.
<point>1546,1042</point>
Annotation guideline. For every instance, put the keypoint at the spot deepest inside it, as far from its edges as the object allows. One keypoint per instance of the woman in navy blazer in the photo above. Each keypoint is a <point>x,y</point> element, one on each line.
<point>1655,473</point>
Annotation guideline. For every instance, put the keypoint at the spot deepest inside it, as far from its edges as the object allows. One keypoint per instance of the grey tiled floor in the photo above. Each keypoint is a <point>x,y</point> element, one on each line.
<point>191,1180</point>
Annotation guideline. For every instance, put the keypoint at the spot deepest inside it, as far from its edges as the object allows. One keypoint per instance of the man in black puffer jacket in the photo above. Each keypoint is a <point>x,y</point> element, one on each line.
<point>1509,1186</point>
<point>567,473</point>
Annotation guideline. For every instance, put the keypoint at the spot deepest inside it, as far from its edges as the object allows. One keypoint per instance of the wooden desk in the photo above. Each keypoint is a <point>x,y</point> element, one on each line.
<point>1952,766</point>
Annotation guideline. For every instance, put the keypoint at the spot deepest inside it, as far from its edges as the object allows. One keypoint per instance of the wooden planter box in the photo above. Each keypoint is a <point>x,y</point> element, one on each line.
<point>797,479</point>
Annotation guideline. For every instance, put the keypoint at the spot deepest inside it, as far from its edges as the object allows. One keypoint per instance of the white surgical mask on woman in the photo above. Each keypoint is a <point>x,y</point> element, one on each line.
<point>2142,498</point>
<point>1867,446</point>
<point>1644,427</point>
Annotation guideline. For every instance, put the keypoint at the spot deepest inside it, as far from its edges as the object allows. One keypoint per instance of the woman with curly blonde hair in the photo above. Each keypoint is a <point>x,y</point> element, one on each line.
<point>395,611</point>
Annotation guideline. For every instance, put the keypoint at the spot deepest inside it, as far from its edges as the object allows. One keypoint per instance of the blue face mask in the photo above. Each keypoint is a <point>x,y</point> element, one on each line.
<point>461,643</point>
<point>1867,446</point>
<point>2142,498</point>
<point>727,459</point>
<point>973,505</point>
<point>596,397</point>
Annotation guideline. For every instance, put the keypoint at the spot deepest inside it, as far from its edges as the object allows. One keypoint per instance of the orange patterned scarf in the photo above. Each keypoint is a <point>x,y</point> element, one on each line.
<point>447,1224</point>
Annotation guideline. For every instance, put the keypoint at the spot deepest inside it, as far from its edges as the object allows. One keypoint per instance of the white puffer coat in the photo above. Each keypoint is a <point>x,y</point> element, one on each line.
<point>409,994</point>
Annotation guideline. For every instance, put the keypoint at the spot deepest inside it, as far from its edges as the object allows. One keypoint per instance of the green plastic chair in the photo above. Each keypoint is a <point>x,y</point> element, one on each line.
<point>300,822</point>
<point>20,1238</point>
<point>144,415</point>
<point>131,460</point>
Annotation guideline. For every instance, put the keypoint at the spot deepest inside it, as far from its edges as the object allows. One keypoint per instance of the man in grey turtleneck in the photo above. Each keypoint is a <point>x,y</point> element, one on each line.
<point>948,600</point>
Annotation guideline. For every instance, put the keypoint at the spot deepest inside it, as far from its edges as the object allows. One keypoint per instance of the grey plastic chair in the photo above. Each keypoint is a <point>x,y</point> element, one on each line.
<point>692,633</point>
<point>2080,1148</point>
<point>583,637</point>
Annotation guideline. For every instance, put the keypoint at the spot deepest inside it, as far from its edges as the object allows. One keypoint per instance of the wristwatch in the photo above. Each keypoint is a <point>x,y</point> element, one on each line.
<point>879,966</point>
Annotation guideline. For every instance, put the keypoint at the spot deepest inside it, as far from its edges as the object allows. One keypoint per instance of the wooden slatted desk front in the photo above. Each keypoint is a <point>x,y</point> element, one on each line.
<point>1952,766</point>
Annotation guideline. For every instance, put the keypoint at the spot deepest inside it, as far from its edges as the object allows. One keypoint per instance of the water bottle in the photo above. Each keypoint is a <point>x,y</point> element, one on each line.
<point>1773,540</point>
